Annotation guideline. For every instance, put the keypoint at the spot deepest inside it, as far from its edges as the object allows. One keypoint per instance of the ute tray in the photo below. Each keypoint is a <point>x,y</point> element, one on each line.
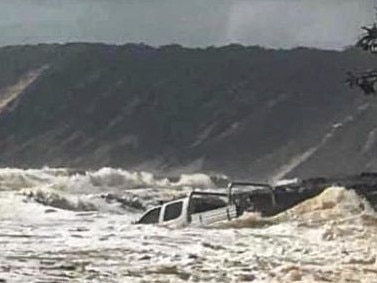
<point>213,216</point>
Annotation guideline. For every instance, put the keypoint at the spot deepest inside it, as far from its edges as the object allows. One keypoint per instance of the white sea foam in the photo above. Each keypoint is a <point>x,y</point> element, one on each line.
<point>195,180</point>
<point>47,234</point>
<point>67,179</point>
<point>57,199</point>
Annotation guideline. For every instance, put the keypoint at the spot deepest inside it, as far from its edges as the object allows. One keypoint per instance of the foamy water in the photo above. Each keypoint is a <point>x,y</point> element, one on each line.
<point>57,226</point>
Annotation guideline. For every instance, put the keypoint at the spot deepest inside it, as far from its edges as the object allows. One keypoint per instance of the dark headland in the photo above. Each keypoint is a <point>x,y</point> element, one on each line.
<point>248,112</point>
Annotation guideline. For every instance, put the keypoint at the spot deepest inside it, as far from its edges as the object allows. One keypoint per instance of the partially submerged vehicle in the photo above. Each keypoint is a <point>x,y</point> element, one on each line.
<point>202,208</point>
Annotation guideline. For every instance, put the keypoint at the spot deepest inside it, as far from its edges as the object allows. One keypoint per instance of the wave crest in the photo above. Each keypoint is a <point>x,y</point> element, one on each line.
<point>332,204</point>
<point>57,199</point>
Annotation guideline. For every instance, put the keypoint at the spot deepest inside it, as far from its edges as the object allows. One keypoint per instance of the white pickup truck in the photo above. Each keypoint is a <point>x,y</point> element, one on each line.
<point>204,208</point>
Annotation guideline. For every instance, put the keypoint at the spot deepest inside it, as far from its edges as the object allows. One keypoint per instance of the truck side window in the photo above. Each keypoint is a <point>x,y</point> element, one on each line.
<point>173,211</point>
<point>151,217</point>
<point>199,205</point>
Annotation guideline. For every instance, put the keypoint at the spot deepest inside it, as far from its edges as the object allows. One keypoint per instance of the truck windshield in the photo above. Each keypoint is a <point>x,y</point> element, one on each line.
<point>151,217</point>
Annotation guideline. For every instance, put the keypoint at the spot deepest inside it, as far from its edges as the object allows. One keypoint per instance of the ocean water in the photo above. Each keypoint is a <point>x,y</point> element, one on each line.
<point>60,226</point>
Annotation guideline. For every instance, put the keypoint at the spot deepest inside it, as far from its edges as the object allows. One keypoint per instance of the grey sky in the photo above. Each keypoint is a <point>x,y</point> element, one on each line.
<point>272,23</point>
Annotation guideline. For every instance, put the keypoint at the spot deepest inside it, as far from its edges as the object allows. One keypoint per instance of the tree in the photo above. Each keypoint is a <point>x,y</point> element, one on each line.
<point>367,80</point>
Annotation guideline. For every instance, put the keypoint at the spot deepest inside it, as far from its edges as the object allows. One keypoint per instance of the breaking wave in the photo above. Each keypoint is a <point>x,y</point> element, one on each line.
<point>15,179</point>
<point>89,181</point>
<point>195,180</point>
<point>107,189</point>
<point>56,199</point>
<point>334,205</point>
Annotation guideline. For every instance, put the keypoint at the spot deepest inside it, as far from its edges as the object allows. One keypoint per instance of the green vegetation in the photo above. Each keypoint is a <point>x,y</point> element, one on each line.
<point>366,80</point>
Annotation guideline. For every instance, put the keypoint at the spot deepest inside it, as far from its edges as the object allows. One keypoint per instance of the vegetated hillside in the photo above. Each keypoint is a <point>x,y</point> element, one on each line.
<point>244,111</point>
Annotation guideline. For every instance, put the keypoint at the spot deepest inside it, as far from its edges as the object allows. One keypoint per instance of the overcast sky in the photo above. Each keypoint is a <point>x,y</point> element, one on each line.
<point>273,23</point>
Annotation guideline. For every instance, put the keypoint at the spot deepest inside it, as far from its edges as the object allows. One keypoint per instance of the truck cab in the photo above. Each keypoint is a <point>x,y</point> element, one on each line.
<point>197,208</point>
<point>174,210</point>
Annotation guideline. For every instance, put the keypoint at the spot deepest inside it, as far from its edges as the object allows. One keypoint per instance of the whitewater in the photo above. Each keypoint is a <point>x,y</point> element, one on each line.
<point>64,225</point>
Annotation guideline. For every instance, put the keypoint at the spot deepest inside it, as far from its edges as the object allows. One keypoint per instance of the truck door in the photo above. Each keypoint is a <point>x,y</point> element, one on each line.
<point>173,211</point>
